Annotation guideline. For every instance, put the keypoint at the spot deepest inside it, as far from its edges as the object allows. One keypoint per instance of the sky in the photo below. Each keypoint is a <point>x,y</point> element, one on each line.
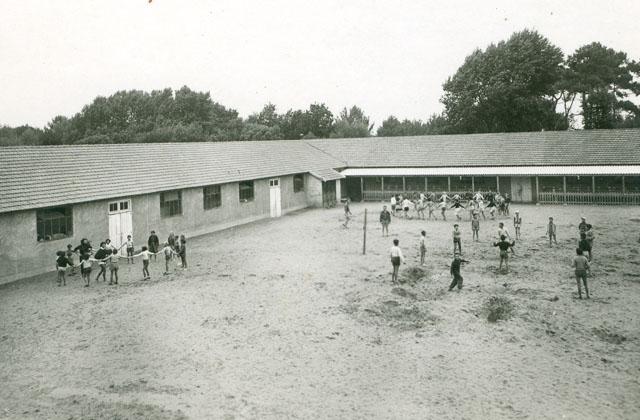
<point>387,57</point>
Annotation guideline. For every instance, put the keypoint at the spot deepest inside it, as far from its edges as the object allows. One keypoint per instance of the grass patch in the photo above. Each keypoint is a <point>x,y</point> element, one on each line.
<point>498,307</point>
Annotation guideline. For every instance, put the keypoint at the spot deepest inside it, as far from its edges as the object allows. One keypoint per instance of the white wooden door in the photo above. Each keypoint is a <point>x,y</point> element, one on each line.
<point>120,223</point>
<point>274,197</point>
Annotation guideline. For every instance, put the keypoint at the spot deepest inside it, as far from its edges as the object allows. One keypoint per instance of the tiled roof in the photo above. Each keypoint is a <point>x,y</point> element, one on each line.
<point>42,176</point>
<point>327,175</point>
<point>581,147</point>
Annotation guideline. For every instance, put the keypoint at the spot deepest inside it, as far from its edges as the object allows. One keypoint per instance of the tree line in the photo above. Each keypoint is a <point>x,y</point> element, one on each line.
<point>522,84</point>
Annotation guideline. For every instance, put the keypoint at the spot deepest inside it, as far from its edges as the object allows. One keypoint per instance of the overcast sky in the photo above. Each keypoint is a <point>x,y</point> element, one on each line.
<point>388,57</point>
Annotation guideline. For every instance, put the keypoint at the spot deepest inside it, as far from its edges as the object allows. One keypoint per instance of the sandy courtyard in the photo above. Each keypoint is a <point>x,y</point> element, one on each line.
<point>286,319</point>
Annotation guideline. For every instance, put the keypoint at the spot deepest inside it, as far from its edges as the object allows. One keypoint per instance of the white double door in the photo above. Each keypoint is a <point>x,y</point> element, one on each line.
<point>274,197</point>
<point>120,223</point>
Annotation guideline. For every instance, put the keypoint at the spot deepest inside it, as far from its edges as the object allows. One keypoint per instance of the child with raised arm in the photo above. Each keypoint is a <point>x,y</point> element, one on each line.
<point>61,267</point>
<point>551,231</point>
<point>581,265</point>
<point>423,246</point>
<point>457,235</point>
<point>100,256</point>
<point>168,253</point>
<point>396,259</point>
<point>475,226</point>
<point>504,246</point>
<point>517,223</point>
<point>146,257</point>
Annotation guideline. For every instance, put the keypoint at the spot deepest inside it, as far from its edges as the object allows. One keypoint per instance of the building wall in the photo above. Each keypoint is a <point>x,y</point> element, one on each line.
<point>314,191</point>
<point>21,255</point>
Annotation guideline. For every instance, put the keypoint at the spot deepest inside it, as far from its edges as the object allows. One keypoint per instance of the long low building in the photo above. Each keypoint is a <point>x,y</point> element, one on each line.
<point>51,196</point>
<point>573,167</point>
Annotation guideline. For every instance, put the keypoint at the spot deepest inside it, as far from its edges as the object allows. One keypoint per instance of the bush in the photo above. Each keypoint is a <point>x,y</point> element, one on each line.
<point>498,307</point>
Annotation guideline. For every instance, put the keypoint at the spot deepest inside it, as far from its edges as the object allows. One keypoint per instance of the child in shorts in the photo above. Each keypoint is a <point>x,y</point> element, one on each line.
<point>581,265</point>
<point>396,260</point>
<point>85,268</point>
<point>168,253</point>
<point>129,245</point>
<point>504,246</point>
<point>475,226</point>
<point>61,267</point>
<point>146,257</point>
<point>113,266</point>
<point>457,238</point>
<point>517,223</point>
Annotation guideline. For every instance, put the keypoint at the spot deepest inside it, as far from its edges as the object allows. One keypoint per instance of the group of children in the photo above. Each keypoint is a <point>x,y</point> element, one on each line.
<point>108,256</point>
<point>506,244</point>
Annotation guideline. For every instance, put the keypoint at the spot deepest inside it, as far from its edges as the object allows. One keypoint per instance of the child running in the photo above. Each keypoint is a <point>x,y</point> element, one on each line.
<point>61,267</point>
<point>423,247</point>
<point>551,232</point>
<point>517,223</point>
<point>396,259</point>
<point>347,214</point>
<point>581,265</point>
<point>457,239</point>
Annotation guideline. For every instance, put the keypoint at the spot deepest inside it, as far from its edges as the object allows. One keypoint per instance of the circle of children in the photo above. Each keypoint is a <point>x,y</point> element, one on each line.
<point>477,205</point>
<point>108,256</point>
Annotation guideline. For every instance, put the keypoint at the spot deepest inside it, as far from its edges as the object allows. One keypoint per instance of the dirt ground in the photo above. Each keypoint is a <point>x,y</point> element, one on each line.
<point>287,319</point>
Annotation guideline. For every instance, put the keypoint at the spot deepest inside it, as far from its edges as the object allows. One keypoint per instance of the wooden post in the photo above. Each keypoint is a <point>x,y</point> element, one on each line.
<point>448,184</point>
<point>564,189</point>
<point>537,189</point>
<point>361,188</point>
<point>382,187</point>
<point>593,184</point>
<point>473,184</point>
<point>426,185</point>
<point>404,186</point>
<point>364,229</point>
<point>624,187</point>
<point>497,184</point>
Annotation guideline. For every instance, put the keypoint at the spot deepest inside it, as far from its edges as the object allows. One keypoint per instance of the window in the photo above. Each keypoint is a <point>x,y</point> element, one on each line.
<point>54,223</point>
<point>113,207</point>
<point>170,203</point>
<point>298,183</point>
<point>246,191</point>
<point>211,197</point>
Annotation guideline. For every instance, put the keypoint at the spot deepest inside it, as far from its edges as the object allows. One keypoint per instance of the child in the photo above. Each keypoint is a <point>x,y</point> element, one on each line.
<point>183,251</point>
<point>458,207</point>
<point>347,213</point>
<point>517,222</point>
<point>396,259</point>
<point>584,245</point>
<point>503,231</point>
<point>61,267</point>
<point>423,247</point>
<point>146,257</point>
<point>154,243</point>
<point>69,256</point>
<point>590,236</point>
<point>475,226</point>
<point>393,204</point>
<point>168,254</point>
<point>385,219</point>
<point>443,209</point>
<point>455,272</point>
<point>406,205</point>
<point>504,246</point>
<point>100,255</point>
<point>85,268</point>
<point>431,206</point>
<point>113,266</point>
<point>551,231</point>
<point>457,239</point>
<point>581,264</point>
<point>129,245</point>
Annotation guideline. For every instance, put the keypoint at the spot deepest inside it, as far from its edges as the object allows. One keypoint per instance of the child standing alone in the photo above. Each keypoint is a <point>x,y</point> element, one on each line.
<point>396,260</point>
<point>551,232</point>
<point>457,238</point>
<point>423,246</point>
<point>475,226</point>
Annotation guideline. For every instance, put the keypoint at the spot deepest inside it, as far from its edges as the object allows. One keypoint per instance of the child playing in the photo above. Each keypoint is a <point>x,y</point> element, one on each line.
<point>100,256</point>
<point>503,231</point>
<point>551,231</point>
<point>154,244</point>
<point>458,207</point>
<point>443,209</point>
<point>129,245</point>
<point>455,272</point>
<point>431,206</point>
<point>584,244</point>
<point>396,259</point>
<point>581,265</point>
<point>61,267</point>
<point>69,256</point>
<point>475,226</point>
<point>504,246</point>
<point>457,239</point>
<point>406,206</point>
<point>347,213</point>
<point>168,253</point>
<point>113,266</point>
<point>85,268</point>
<point>423,246</point>
<point>183,251</point>
<point>146,257</point>
<point>517,222</point>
